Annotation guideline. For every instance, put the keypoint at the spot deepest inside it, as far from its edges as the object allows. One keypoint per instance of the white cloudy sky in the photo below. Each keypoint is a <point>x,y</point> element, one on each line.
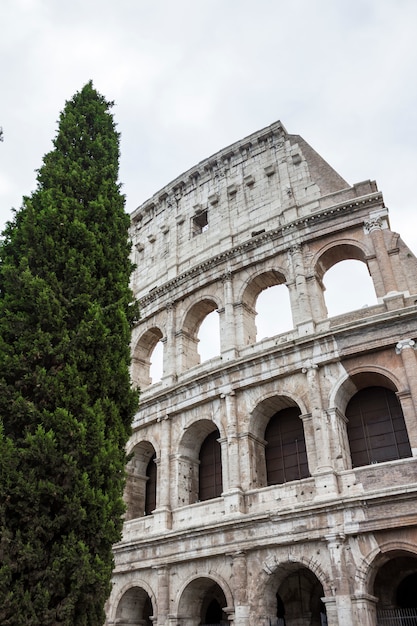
<point>191,76</point>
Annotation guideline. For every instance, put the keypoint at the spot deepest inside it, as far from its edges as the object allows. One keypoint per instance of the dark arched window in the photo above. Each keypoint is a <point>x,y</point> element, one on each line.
<point>150,496</point>
<point>210,470</point>
<point>285,452</point>
<point>376,427</point>
<point>406,592</point>
<point>214,613</point>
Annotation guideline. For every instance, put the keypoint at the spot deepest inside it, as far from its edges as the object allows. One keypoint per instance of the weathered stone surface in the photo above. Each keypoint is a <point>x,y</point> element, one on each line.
<point>266,211</point>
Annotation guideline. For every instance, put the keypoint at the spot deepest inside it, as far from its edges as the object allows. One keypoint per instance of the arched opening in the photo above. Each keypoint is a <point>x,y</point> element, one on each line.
<point>273,309</point>
<point>210,484</point>
<point>209,337</point>
<point>348,287</point>
<point>214,614</point>
<point>135,608</point>
<point>203,602</point>
<point>200,335</point>
<point>262,416</point>
<point>260,298</point>
<point>280,611</point>
<point>406,592</point>
<point>147,358</point>
<point>141,481</point>
<point>395,587</point>
<point>157,360</point>
<point>285,452</point>
<point>293,595</point>
<point>376,428</point>
<point>150,493</point>
<point>199,463</point>
<point>299,600</point>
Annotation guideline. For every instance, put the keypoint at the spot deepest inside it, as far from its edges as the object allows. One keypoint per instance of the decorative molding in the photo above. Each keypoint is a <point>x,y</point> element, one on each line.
<point>269,170</point>
<point>249,180</point>
<point>294,249</point>
<point>374,223</point>
<point>308,366</point>
<point>252,243</point>
<point>226,276</point>
<point>405,343</point>
<point>213,198</point>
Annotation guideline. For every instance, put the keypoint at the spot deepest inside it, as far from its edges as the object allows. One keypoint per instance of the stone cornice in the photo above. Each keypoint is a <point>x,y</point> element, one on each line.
<point>241,148</point>
<point>292,523</point>
<point>158,395</point>
<point>298,224</point>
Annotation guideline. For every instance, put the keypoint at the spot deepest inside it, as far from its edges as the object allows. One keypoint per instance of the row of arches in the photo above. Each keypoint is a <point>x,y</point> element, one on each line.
<point>278,449</point>
<point>269,306</point>
<point>293,594</point>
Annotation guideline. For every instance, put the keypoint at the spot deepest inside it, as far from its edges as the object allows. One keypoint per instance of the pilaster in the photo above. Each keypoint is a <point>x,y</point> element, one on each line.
<point>326,481</point>
<point>374,228</point>
<point>227,321</point>
<point>407,349</point>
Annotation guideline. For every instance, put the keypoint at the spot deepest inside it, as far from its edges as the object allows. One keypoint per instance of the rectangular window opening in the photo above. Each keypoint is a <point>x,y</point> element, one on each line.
<point>200,223</point>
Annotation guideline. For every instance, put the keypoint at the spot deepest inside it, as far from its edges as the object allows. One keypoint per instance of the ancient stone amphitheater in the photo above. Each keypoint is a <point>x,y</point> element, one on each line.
<point>276,482</point>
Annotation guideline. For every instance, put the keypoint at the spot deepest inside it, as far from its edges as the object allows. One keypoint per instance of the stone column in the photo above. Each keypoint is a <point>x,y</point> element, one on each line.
<point>186,351</point>
<point>227,320</point>
<point>240,587</point>
<point>326,482</point>
<point>320,426</point>
<point>374,227</point>
<point>233,443</point>
<point>299,295</point>
<point>162,513</point>
<point>364,609</point>
<point>233,493</point>
<point>340,582</point>
<point>170,348</point>
<point>338,435</point>
<point>331,611</point>
<point>162,610</point>
<point>244,316</point>
<point>407,349</point>
<point>309,435</point>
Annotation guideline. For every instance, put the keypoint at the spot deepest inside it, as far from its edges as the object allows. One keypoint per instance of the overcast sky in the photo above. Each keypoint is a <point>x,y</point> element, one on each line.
<point>189,77</point>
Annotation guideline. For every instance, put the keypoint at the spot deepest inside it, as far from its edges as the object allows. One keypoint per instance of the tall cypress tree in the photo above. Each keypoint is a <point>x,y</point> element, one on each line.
<point>66,403</point>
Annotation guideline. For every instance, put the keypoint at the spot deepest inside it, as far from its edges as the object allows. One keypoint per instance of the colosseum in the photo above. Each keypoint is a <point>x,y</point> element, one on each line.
<point>275,482</point>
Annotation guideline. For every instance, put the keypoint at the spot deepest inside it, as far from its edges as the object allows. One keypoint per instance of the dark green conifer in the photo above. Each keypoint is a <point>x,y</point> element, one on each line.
<point>66,403</point>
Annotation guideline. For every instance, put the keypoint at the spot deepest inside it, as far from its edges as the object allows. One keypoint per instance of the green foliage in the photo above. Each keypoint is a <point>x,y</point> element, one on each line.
<point>66,403</point>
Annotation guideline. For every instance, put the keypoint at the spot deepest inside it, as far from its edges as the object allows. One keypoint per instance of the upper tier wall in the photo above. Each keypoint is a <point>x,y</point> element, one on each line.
<point>262,182</point>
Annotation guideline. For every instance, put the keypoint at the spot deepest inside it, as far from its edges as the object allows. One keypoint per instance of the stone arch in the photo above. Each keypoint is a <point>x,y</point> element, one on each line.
<point>384,575</point>
<point>268,403</point>
<point>195,595</point>
<point>368,567</point>
<point>359,377</point>
<point>253,286</point>
<point>142,354</point>
<point>355,384</point>
<point>137,491</point>
<point>294,582</point>
<point>336,252</point>
<point>189,327</point>
<point>135,606</point>
<point>188,459</point>
<point>260,416</point>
